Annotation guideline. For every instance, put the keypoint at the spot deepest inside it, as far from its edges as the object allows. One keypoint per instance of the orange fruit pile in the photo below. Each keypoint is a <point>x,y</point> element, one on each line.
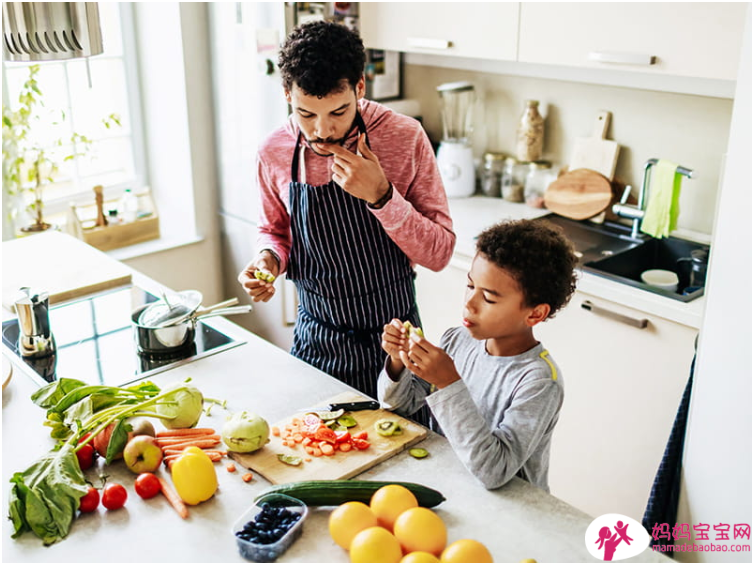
<point>394,528</point>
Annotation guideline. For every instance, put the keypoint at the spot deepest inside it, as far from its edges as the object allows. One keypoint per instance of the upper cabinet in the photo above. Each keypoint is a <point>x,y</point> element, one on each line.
<point>470,29</point>
<point>689,39</point>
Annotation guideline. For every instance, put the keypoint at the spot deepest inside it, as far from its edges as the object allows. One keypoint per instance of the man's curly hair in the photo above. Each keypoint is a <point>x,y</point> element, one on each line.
<point>537,255</point>
<point>318,56</point>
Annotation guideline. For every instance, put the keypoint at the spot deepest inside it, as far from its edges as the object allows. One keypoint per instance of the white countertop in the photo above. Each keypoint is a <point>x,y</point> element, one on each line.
<point>516,522</point>
<point>474,214</point>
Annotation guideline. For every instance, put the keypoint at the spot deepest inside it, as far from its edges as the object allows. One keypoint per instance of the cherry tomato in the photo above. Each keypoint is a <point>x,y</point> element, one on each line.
<point>360,443</point>
<point>85,455</point>
<point>147,485</point>
<point>89,501</point>
<point>114,496</point>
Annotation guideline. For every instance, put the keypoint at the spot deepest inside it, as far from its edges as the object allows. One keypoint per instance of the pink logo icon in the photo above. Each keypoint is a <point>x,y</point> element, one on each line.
<point>610,541</point>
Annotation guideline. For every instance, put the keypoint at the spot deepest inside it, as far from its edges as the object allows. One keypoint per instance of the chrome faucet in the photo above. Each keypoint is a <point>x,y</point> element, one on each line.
<point>636,213</point>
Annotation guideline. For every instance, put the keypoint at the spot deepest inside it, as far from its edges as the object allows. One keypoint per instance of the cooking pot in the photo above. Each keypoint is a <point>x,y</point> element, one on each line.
<point>168,337</point>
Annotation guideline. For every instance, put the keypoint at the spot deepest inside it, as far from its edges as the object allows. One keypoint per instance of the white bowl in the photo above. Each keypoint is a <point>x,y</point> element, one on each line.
<point>660,278</point>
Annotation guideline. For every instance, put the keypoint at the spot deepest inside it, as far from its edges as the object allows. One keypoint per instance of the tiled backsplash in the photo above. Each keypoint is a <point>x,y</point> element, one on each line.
<point>689,130</point>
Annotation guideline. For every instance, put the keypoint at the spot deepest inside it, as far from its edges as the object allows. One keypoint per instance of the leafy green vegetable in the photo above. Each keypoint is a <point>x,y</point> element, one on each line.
<point>45,497</point>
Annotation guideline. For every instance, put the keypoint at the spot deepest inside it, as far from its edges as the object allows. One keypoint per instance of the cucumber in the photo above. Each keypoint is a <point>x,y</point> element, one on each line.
<point>335,493</point>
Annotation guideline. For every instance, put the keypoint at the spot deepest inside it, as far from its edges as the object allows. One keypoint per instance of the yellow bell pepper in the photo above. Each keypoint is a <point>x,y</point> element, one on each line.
<point>194,476</point>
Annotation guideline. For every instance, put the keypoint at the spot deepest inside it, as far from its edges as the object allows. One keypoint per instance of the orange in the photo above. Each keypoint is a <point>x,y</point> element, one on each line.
<point>349,519</point>
<point>419,557</point>
<point>375,545</point>
<point>420,529</point>
<point>466,551</point>
<point>389,502</point>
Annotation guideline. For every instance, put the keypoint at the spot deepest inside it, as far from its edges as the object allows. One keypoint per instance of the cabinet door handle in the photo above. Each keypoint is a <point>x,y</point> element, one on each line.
<point>427,43</point>
<point>640,323</point>
<point>621,58</point>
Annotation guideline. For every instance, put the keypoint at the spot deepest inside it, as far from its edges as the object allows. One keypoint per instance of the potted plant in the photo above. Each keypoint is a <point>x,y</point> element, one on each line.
<point>27,165</point>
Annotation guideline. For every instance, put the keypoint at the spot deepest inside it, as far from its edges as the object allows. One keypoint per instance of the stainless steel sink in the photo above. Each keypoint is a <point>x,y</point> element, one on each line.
<point>607,250</point>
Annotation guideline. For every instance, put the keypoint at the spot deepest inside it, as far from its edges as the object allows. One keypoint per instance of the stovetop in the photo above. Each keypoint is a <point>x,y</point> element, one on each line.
<point>96,342</point>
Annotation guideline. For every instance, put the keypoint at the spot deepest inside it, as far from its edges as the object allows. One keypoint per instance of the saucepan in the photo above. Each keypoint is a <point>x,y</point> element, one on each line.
<point>163,327</point>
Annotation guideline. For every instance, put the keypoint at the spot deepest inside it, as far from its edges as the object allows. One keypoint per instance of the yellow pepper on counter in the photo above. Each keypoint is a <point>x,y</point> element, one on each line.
<point>194,476</point>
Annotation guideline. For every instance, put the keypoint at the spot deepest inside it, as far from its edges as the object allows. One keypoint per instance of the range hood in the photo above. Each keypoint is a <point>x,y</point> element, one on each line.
<point>50,31</point>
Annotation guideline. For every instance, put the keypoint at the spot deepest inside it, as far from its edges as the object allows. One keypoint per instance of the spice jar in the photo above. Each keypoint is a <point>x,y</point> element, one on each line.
<point>541,175</point>
<point>530,134</point>
<point>492,173</point>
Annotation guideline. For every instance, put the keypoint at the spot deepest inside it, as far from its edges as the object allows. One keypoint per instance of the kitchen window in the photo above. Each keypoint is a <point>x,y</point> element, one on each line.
<point>78,96</point>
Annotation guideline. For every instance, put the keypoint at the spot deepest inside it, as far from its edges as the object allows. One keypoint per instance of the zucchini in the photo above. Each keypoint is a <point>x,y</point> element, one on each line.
<point>337,492</point>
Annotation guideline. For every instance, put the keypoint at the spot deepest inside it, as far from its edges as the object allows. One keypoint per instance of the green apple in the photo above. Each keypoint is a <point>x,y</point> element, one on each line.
<point>142,454</point>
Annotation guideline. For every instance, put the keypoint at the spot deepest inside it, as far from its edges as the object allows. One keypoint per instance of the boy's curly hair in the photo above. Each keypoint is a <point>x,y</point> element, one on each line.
<point>537,255</point>
<point>318,56</point>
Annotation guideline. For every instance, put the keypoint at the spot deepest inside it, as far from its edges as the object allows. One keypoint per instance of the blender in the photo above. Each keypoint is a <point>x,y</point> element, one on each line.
<point>454,156</point>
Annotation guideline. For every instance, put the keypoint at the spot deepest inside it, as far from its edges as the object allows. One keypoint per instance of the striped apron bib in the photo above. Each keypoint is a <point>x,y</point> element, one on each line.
<point>351,280</point>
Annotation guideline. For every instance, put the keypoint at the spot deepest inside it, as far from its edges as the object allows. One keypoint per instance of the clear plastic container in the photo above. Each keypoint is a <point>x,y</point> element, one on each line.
<point>269,552</point>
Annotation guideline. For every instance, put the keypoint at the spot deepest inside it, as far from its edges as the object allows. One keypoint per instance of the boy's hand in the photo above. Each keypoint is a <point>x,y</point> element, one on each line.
<point>393,342</point>
<point>256,287</point>
<point>429,362</point>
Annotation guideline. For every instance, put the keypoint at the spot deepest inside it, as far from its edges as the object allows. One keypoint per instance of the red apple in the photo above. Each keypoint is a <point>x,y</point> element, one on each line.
<point>142,454</point>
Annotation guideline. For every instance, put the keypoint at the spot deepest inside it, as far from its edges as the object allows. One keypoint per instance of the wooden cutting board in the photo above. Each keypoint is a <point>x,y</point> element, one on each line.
<point>596,152</point>
<point>60,264</point>
<point>579,194</point>
<point>341,465</point>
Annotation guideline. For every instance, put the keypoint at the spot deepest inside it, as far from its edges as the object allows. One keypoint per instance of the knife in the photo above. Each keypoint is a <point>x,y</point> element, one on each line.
<point>347,406</point>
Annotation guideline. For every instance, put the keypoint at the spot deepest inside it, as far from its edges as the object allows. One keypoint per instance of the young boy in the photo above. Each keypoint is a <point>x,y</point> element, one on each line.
<point>493,388</point>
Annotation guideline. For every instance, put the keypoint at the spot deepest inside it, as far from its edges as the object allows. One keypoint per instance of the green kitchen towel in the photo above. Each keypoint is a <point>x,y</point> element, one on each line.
<point>661,214</point>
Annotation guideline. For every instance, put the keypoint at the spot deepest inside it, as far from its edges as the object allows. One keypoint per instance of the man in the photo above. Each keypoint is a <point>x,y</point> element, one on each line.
<point>351,199</point>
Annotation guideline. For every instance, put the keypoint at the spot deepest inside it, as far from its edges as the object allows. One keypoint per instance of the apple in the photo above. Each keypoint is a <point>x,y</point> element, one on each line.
<point>140,427</point>
<point>142,454</point>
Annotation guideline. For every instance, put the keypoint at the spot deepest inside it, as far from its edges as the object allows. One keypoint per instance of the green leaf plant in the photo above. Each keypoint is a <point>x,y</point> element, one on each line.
<point>27,165</point>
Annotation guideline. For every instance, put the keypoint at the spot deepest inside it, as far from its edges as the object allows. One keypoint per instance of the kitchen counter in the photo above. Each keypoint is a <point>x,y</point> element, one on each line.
<point>516,522</point>
<point>472,215</point>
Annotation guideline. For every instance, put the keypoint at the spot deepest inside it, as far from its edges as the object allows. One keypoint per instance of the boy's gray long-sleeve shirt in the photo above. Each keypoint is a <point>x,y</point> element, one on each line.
<point>499,417</point>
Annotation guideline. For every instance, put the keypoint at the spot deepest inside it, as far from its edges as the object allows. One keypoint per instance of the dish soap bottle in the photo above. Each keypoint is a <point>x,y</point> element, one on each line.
<point>530,135</point>
<point>129,206</point>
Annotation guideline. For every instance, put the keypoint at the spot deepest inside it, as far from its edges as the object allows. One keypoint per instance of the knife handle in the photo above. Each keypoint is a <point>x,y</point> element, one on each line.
<point>354,406</point>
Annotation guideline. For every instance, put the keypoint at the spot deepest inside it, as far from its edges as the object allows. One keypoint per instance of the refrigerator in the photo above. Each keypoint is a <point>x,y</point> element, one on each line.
<point>248,105</point>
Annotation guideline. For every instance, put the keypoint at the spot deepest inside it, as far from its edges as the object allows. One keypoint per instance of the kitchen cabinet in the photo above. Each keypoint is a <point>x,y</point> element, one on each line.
<point>623,386</point>
<point>471,29</point>
<point>690,39</point>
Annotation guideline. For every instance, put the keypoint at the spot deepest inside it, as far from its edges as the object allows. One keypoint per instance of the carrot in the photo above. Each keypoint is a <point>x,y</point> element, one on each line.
<point>195,443</point>
<point>344,446</point>
<point>230,467</point>
<point>307,459</point>
<point>275,431</point>
<point>306,441</point>
<point>327,449</point>
<point>247,477</point>
<point>173,498</point>
<point>214,456</point>
<point>185,432</point>
<point>165,442</point>
<point>316,452</point>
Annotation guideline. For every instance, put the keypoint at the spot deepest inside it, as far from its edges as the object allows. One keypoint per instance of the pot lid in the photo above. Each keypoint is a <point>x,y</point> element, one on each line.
<point>171,310</point>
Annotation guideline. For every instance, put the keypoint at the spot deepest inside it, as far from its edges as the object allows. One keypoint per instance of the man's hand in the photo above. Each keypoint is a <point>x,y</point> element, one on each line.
<point>394,340</point>
<point>361,176</point>
<point>259,290</point>
<point>429,362</point>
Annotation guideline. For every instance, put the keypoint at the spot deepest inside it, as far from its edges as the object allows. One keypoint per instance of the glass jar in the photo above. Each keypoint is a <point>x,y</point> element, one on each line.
<point>539,177</point>
<point>530,134</point>
<point>492,173</point>
<point>514,175</point>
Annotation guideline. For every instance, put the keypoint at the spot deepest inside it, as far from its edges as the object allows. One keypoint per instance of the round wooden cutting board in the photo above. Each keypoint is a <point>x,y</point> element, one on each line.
<point>579,194</point>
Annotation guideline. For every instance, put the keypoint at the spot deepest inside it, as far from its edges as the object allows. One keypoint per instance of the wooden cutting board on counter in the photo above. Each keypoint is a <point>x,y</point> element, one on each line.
<point>44,262</point>
<point>596,152</point>
<point>342,465</point>
<point>579,194</point>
